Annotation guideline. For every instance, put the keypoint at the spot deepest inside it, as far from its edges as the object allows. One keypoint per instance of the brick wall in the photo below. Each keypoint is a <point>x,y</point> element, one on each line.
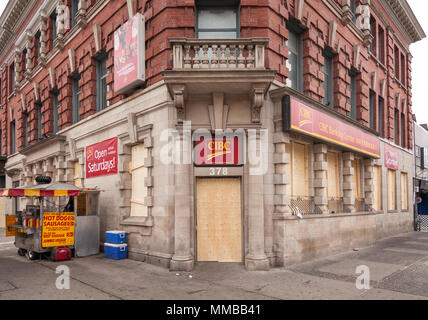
<point>175,18</point>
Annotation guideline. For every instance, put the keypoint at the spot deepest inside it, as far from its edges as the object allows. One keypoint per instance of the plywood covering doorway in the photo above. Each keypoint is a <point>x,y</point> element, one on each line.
<point>219,219</point>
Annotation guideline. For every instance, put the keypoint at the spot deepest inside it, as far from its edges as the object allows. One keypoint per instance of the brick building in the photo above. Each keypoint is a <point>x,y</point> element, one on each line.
<point>316,96</point>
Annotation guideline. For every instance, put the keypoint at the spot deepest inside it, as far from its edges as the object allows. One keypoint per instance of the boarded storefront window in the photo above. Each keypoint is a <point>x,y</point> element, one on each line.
<point>299,170</point>
<point>391,190</point>
<point>377,194</point>
<point>356,178</point>
<point>139,173</point>
<point>404,195</point>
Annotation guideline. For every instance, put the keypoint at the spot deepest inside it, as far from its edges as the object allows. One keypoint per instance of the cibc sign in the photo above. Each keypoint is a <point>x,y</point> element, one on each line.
<point>218,150</point>
<point>102,158</point>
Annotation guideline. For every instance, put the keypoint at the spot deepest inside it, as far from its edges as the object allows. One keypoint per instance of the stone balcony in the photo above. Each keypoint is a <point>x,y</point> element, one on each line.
<point>229,66</point>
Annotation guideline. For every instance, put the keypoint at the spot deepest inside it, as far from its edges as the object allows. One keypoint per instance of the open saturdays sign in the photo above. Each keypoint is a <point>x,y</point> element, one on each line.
<point>102,158</point>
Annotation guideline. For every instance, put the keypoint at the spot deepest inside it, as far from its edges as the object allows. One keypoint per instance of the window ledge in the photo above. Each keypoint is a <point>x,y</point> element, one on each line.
<point>378,62</point>
<point>326,216</point>
<point>138,221</point>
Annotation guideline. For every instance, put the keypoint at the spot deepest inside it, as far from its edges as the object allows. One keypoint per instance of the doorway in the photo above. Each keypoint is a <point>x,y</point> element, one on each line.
<point>219,219</point>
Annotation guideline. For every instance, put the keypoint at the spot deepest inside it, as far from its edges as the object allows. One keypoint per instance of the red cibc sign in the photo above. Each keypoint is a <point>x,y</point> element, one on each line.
<point>218,151</point>
<point>102,158</point>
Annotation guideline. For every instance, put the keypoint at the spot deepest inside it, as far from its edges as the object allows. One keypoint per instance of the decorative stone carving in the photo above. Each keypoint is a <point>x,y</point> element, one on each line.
<point>258,95</point>
<point>81,14</point>
<point>178,96</point>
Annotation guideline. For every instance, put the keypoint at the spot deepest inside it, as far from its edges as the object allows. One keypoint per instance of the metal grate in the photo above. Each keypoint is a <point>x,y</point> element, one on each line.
<point>335,205</point>
<point>422,222</point>
<point>304,206</point>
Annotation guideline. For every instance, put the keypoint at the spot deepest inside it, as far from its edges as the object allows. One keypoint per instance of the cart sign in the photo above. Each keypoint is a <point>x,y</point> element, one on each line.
<point>10,221</point>
<point>102,159</point>
<point>299,117</point>
<point>58,229</point>
<point>129,54</point>
<point>219,151</point>
<point>391,157</point>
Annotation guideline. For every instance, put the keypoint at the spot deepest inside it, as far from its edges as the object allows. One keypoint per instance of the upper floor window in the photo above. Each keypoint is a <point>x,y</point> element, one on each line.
<point>295,59</point>
<point>74,11</point>
<point>11,77</point>
<point>380,115</point>
<point>397,62</point>
<point>55,103</point>
<point>37,44</point>
<point>353,90</point>
<point>403,69</point>
<point>372,107</point>
<point>328,84</point>
<point>39,120</point>
<point>53,26</point>
<point>24,60</point>
<point>353,9</point>
<point>397,126</point>
<point>380,47</point>
<point>102,73</point>
<point>403,131</point>
<point>217,20</point>
<point>373,33</point>
<point>27,128</point>
<point>75,93</point>
<point>12,137</point>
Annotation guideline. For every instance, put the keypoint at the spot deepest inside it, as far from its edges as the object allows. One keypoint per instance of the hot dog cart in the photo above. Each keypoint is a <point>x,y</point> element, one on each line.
<point>56,215</point>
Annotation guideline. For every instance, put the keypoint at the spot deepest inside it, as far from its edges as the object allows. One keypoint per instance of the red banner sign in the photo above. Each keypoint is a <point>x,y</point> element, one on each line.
<point>219,151</point>
<point>102,159</point>
<point>318,124</point>
<point>391,157</point>
<point>129,53</point>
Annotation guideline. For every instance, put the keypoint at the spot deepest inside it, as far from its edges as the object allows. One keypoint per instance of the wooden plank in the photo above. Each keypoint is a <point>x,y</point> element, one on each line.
<point>219,219</point>
<point>391,190</point>
<point>300,170</point>
<point>404,195</point>
<point>377,194</point>
<point>333,188</point>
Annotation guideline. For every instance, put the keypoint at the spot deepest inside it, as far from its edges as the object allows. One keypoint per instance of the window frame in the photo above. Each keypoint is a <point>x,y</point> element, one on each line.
<point>74,10</point>
<point>215,4</point>
<point>75,92</point>
<point>26,128</point>
<point>380,108</point>
<point>353,93</point>
<point>294,28</point>
<point>12,137</point>
<point>328,84</point>
<point>39,106</point>
<point>102,102</point>
<point>55,104</point>
<point>372,109</point>
<point>381,44</point>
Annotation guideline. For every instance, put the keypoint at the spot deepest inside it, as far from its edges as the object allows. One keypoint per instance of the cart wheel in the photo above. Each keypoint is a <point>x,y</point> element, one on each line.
<point>22,252</point>
<point>31,255</point>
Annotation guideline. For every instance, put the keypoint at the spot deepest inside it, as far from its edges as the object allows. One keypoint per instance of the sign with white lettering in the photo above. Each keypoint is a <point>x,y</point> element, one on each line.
<point>102,158</point>
<point>391,157</point>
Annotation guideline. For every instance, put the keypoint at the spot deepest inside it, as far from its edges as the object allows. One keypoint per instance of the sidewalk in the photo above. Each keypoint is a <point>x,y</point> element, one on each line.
<point>398,269</point>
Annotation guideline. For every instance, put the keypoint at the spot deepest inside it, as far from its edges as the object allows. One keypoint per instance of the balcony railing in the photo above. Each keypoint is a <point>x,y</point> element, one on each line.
<point>239,54</point>
<point>303,205</point>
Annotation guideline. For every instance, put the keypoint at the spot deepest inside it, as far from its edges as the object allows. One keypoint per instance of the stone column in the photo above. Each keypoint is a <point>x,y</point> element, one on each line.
<point>320,182</point>
<point>182,259</point>
<point>282,193</point>
<point>256,258</point>
<point>348,185</point>
<point>368,184</point>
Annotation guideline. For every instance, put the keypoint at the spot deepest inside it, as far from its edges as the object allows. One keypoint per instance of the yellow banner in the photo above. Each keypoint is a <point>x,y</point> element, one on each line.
<point>58,229</point>
<point>10,221</point>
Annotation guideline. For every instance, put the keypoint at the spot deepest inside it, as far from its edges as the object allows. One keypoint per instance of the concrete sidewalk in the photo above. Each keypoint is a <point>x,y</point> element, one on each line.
<point>398,269</point>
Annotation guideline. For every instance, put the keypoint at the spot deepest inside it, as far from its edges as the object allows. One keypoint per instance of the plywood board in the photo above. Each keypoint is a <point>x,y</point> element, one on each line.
<point>377,194</point>
<point>300,170</point>
<point>219,220</point>
<point>391,190</point>
<point>333,187</point>
<point>404,195</point>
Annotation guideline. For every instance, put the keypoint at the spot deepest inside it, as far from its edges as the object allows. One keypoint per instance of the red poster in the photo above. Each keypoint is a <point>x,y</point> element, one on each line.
<point>129,54</point>
<point>102,159</point>
<point>219,151</point>
<point>391,157</point>
<point>320,125</point>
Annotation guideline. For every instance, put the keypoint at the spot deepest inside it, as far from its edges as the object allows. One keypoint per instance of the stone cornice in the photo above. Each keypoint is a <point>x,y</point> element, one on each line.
<point>404,18</point>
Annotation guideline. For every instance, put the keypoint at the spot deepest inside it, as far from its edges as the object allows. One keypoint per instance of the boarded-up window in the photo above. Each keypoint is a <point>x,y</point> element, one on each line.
<point>391,191</point>
<point>404,195</point>
<point>139,173</point>
<point>356,178</point>
<point>333,187</point>
<point>299,170</point>
<point>377,194</point>
<point>77,174</point>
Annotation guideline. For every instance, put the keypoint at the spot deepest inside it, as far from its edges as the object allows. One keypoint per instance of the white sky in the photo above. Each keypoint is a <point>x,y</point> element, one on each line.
<point>419,51</point>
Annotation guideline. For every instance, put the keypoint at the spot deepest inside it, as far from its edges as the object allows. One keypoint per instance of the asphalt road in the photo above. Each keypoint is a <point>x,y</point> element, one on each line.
<point>398,269</point>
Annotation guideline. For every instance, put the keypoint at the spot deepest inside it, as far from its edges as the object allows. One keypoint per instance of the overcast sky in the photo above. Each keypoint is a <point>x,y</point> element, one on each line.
<point>419,51</point>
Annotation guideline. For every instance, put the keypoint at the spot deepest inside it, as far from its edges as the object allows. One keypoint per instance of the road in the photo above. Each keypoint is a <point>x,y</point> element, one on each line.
<point>398,269</point>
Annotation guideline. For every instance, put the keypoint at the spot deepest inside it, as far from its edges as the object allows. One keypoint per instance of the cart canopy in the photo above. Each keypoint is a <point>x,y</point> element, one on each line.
<point>42,190</point>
